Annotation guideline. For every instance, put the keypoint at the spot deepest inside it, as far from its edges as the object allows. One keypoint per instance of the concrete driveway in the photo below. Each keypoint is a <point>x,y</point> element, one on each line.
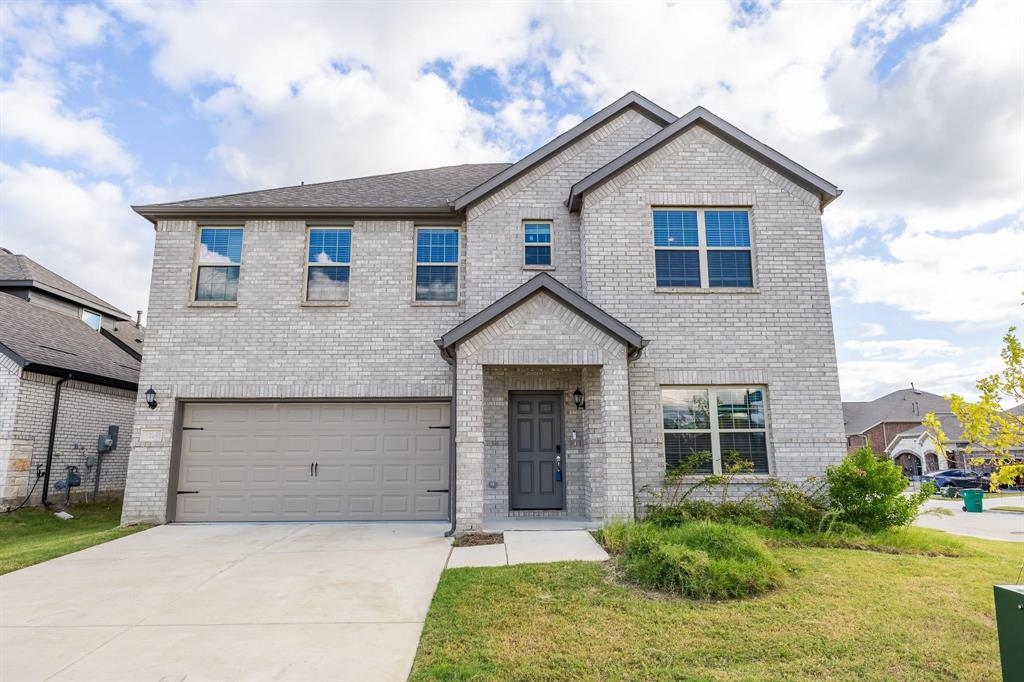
<point>226,602</point>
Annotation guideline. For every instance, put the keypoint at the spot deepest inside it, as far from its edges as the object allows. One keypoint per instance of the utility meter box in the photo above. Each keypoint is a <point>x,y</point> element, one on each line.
<point>1010,624</point>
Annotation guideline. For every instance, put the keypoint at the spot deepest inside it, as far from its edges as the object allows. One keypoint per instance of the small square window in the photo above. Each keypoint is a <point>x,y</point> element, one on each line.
<point>537,243</point>
<point>709,248</point>
<point>93,319</point>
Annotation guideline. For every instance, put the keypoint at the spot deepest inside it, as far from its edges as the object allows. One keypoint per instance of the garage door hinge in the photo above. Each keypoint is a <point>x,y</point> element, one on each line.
<point>191,428</point>
<point>439,427</point>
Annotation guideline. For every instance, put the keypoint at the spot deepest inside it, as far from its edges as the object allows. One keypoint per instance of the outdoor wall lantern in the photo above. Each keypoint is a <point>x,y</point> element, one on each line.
<point>151,398</point>
<point>577,397</point>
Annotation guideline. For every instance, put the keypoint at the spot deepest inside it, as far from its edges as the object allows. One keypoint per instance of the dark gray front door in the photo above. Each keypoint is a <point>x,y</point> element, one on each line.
<point>537,457</point>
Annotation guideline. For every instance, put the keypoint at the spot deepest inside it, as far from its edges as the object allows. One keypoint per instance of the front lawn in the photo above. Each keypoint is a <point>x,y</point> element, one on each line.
<point>841,614</point>
<point>31,535</point>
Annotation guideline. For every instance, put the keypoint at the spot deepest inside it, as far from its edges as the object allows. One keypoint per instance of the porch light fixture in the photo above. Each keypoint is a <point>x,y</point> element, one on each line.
<point>151,398</point>
<point>577,397</point>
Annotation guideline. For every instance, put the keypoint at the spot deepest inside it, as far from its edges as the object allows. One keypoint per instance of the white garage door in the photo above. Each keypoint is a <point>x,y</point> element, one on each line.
<point>313,461</point>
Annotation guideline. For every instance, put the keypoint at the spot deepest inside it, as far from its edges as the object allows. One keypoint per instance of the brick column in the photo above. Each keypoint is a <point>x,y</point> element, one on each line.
<point>469,446</point>
<point>617,481</point>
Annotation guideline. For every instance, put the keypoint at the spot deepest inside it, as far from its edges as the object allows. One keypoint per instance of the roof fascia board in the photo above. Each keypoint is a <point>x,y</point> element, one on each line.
<point>155,213</point>
<point>564,294</point>
<point>760,151</point>
<point>631,100</point>
<point>60,293</point>
<point>51,370</point>
<point>12,355</point>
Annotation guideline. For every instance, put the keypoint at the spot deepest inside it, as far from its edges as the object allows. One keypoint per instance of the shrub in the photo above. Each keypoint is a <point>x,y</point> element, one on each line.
<point>701,560</point>
<point>790,524</point>
<point>866,490</point>
<point>746,512</point>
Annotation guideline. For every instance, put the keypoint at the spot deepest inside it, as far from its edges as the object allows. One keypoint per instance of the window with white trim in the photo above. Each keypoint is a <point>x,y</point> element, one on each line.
<point>709,428</point>
<point>328,261</point>
<point>537,243</point>
<point>703,248</point>
<point>91,318</point>
<point>437,264</point>
<point>219,263</point>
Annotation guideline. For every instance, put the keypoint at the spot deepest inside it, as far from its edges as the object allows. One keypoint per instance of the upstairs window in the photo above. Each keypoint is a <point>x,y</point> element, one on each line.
<point>710,429</point>
<point>94,320</point>
<point>327,265</point>
<point>537,244</point>
<point>706,248</point>
<point>437,264</point>
<point>219,262</point>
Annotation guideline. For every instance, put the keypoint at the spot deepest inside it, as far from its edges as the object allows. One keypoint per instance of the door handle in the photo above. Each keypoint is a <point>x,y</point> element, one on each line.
<point>316,469</point>
<point>311,469</point>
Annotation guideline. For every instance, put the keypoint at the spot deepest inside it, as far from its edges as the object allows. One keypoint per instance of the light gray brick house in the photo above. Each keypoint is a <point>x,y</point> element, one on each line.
<point>482,341</point>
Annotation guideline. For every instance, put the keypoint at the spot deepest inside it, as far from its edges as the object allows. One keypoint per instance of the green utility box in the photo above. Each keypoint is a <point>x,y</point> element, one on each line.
<point>1010,624</point>
<point>972,499</point>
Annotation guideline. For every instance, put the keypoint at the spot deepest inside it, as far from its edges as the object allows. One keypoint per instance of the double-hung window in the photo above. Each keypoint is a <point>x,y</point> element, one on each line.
<point>703,248</point>
<point>437,264</point>
<point>537,243</point>
<point>713,429</point>
<point>327,265</point>
<point>218,265</point>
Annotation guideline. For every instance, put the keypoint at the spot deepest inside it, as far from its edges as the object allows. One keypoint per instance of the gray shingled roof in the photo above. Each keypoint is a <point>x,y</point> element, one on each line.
<point>20,270</point>
<point>429,188</point>
<point>894,407</point>
<point>41,339</point>
<point>127,333</point>
<point>950,426</point>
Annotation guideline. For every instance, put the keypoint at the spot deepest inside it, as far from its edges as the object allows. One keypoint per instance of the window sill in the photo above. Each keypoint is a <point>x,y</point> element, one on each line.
<point>435,304</point>
<point>213,304</point>
<point>709,290</point>
<point>543,268</point>
<point>325,304</point>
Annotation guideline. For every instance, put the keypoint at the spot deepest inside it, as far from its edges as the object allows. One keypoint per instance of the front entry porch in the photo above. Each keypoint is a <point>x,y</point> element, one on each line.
<point>524,449</point>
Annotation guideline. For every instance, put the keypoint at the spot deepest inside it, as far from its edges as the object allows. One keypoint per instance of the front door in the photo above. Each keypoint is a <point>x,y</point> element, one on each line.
<point>537,462</point>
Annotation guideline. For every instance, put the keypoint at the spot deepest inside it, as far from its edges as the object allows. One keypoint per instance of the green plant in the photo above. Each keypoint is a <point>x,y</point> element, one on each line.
<point>867,490</point>
<point>701,560</point>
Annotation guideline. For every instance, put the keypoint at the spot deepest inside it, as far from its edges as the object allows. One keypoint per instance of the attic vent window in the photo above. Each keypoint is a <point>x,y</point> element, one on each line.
<point>94,320</point>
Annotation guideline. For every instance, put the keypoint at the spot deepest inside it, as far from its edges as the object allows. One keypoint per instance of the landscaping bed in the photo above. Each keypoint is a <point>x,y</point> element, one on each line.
<point>32,535</point>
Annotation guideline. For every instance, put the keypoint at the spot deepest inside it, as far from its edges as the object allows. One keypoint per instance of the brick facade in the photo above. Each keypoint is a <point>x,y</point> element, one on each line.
<point>380,345</point>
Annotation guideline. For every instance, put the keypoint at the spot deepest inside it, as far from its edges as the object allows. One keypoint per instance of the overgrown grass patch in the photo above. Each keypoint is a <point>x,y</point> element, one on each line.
<point>32,535</point>
<point>901,540</point>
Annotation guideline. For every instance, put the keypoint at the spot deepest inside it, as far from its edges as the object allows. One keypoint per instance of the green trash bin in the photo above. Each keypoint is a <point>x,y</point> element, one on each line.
<point>972,499</point>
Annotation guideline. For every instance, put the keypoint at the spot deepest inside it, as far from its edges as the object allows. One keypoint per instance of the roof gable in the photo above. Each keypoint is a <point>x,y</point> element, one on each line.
<point>824,189</point>
<point>630,100</point>
<point>17,270</point>
<point>897,406</point>
<point>558,291</point>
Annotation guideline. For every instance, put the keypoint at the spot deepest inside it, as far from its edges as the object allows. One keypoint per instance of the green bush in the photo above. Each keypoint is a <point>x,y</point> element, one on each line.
<point>867,490</point>
<point>747,513</point>
<point>701,560</point>
<point>790,524</point>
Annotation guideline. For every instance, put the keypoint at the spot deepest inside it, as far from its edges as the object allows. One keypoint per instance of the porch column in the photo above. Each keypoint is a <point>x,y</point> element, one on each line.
<point>469,446</point>
<point>614,436</point>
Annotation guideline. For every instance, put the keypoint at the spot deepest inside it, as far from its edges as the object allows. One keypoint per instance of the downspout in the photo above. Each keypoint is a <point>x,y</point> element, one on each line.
<point>53,433</point>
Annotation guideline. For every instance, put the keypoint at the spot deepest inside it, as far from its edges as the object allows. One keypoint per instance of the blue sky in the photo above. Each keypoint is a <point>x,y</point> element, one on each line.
<point>108,104</point>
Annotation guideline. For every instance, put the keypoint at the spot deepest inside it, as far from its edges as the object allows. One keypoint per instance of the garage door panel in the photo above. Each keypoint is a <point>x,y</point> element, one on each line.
<point>375,461</point>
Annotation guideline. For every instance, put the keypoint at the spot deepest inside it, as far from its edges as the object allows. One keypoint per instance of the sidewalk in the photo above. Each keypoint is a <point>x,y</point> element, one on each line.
<point>989,525</point>
<point>531,547</point>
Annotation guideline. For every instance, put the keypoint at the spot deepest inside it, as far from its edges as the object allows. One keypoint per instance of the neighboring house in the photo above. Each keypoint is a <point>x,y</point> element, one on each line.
<point>891,425</point>
<point>62,350</point>
<point>537,339</point>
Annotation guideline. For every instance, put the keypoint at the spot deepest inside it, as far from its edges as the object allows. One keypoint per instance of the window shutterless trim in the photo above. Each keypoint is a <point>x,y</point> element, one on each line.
<point>716,430</point>
<point>702,249</point>
<point>416,264</point>
<point>550,265</point>
<point>307,265</point>
<point>193,294</point>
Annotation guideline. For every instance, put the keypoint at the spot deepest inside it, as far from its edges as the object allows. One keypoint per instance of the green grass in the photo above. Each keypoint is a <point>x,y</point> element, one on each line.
<point>1008,508</point>
<point>841,615</point>
<point>903,540</point>
<point>31,535</point>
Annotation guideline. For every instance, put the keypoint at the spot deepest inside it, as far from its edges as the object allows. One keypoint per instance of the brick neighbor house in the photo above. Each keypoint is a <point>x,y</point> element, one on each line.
<point>69,370</point>
<point>490,340</point>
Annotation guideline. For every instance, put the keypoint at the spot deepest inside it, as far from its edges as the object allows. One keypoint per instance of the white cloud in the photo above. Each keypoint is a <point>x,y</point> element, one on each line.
<point>903,349</point>
<point>869,379</point>
<point>32,109</point>
<point>871,329</point>
<point>976,278</point>
<point>84,231</point>
<point>45,30</point>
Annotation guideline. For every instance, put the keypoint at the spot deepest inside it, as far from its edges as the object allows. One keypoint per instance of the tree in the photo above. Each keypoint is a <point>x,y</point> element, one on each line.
<point>986,426</point>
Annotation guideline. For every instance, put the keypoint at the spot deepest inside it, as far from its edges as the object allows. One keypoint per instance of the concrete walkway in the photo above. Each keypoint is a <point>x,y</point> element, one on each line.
<point>226,602</point>
<point>531,547</point>
<point>988,525</point>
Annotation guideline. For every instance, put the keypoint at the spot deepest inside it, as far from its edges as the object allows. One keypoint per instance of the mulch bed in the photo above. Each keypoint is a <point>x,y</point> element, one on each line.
<point>477,539</point>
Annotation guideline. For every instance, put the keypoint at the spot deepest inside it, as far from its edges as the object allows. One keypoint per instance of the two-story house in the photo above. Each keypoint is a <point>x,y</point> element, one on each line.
<point>481,341</point>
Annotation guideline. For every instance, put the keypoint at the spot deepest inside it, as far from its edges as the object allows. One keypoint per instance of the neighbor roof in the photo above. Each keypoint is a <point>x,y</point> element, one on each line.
<point>950,426</point>
<point>428,190</point>
<point>49,342</point>
<point>631,100</point>
<point>561,293</point>
<point>699,115</point>
<point>897,406</point>
<point>128,335</point>
<point>17,270</point>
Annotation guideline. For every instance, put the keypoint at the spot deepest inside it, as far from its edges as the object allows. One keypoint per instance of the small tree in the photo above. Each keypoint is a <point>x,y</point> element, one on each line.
<point>867,490</point>
<point>985,425</point>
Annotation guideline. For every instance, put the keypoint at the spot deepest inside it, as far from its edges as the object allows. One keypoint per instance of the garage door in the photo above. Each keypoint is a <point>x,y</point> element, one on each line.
<point>313,461</point>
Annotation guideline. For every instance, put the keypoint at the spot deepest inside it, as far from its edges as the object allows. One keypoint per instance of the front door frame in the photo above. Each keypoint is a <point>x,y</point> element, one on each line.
<point>561,442</point>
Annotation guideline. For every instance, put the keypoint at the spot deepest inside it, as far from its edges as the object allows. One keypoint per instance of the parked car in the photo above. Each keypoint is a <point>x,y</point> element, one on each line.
<point>954,478</point>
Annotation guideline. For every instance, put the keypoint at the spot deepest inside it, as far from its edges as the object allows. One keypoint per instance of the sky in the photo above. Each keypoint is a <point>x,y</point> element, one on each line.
<point>915,109</point>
